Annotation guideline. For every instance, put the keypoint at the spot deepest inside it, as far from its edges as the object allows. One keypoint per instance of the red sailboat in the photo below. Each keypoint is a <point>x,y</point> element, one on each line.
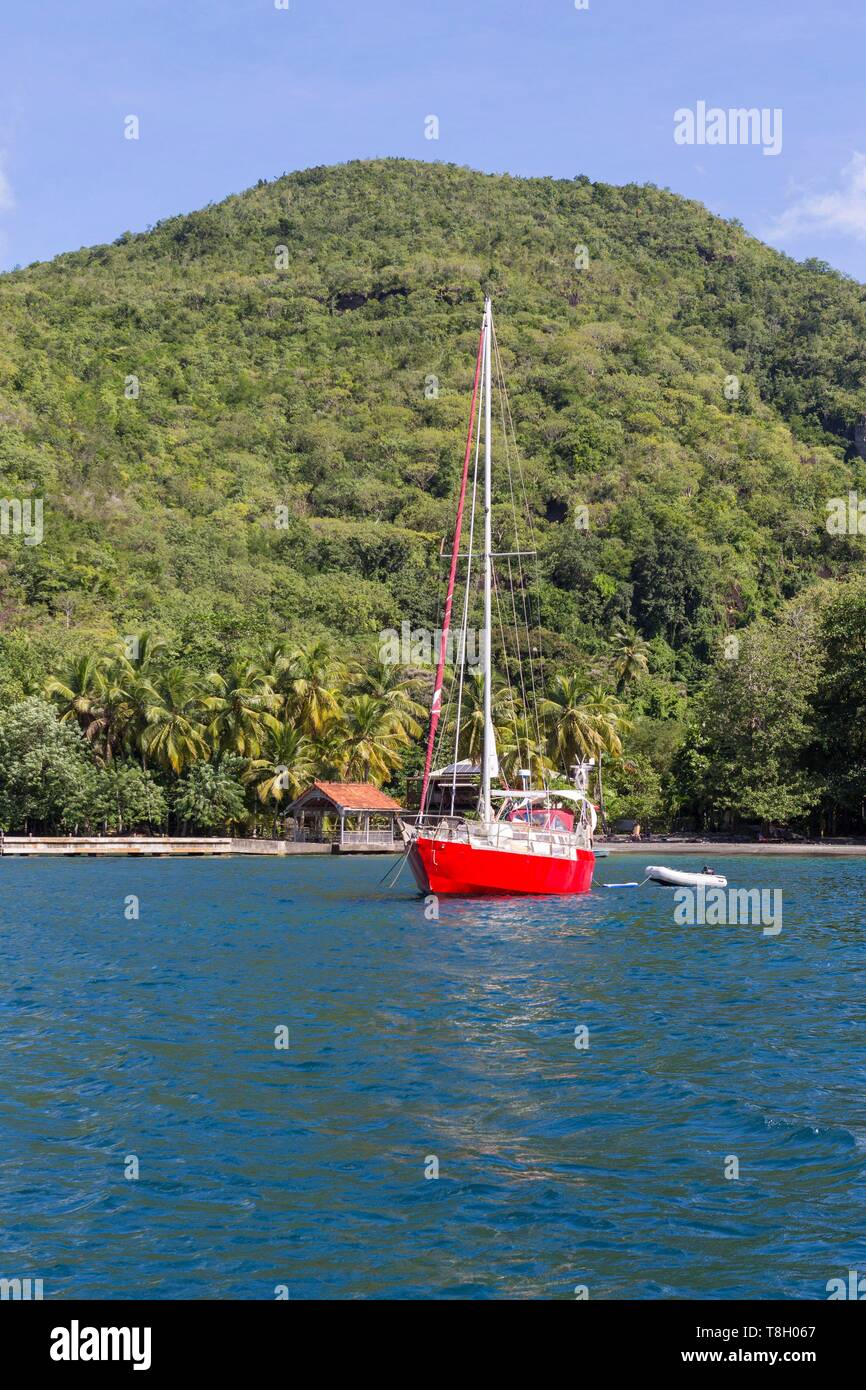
<point>523,839</point>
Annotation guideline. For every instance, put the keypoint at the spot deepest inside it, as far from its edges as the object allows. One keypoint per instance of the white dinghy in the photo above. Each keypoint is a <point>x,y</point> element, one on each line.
<point>677,878</point>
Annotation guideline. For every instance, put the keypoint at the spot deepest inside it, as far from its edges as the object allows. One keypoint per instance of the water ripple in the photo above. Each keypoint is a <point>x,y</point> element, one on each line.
<point>414,1044</point>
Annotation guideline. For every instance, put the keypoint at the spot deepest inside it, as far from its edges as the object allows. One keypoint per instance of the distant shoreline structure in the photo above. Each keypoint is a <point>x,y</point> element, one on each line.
<point>202,846</point>
<point>723,848</point>
<point>161,846</point>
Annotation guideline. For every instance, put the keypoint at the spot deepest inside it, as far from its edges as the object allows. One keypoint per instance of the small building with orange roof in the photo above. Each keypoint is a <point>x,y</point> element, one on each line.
<point>351,815</point>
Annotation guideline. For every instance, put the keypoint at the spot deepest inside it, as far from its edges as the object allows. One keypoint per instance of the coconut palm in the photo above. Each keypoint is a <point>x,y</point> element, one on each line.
<point>142,652</point>
<point>284,768</point>
<point>502,709</point>
<point>329,750</point>
<point>373,736</point>
<point>113,715</point>
<point>630,656</point>
<point>241,710</point>
<point>520,744</point>
<point>395,686</point>
<point>173,735</point>
<point>572,734</point>
<point>582,721</point>
<point>92,693</point>
<point>311,698</point>
<point>77,691</point>
<point>278,664</point>
<point>140,695</point>
<point>610,723</point>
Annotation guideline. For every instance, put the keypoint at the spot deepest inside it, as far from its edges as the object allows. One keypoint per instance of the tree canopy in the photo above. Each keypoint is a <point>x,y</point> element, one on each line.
<point>246,427</point>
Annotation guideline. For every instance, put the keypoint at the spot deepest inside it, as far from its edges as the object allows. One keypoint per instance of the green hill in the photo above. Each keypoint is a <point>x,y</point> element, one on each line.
<point>305,386</point>
<point>168,394</point>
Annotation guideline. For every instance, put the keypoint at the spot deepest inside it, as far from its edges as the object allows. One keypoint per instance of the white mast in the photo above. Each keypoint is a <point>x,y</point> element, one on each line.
<point>488,752</point>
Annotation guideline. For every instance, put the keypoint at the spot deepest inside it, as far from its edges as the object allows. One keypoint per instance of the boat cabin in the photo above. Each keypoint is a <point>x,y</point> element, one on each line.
<point>456,785</point>
<point>546,817</point>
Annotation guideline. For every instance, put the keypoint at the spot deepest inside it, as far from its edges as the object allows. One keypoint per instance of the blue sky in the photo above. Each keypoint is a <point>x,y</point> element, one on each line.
<point>230,91</point>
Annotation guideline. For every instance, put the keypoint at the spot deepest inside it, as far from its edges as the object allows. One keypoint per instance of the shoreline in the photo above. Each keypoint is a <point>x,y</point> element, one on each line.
<point>723,848</point>
<point>156,846</point>
<point>159,846</point>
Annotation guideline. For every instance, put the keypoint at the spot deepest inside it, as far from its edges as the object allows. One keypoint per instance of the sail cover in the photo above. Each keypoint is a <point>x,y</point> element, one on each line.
<point>436,705</point>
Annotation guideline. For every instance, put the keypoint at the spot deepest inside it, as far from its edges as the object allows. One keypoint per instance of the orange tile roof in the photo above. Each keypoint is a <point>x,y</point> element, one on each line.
<point>356,796</point>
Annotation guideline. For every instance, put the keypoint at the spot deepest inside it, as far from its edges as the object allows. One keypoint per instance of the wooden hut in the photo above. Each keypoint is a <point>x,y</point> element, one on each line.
<point>353,815</point>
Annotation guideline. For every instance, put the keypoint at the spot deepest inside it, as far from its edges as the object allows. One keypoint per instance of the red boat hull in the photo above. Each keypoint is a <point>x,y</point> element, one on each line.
<point>448,866</point>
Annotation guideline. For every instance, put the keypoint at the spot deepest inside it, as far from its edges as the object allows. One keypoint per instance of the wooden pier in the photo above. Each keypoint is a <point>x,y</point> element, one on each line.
<point>159,845</point>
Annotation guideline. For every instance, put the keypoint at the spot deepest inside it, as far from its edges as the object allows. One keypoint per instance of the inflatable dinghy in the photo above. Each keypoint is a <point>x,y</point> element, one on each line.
<point>676,878</point>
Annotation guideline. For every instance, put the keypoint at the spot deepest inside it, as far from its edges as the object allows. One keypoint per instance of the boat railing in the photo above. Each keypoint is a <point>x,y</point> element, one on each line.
<point>529,839</point>
<point>433,824</point>
<point>499,834</point>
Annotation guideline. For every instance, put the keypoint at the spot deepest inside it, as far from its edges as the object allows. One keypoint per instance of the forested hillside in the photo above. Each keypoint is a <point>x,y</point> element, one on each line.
<point>246,425</point>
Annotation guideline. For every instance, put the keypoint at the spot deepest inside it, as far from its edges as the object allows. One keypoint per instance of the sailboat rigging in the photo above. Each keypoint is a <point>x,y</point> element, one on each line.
<point>523,840</point>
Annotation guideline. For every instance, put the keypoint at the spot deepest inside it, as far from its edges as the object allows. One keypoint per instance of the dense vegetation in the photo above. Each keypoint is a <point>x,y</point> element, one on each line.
<point>118,742</point>
<point>246,425</point>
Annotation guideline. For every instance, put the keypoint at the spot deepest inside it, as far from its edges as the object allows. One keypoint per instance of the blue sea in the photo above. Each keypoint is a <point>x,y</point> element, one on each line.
<point>156,1142</point>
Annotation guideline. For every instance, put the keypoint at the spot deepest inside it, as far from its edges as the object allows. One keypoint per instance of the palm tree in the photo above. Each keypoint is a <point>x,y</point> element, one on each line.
<point>631,656</point>
<point>584,723</point>
<point>572,732</point>
<point>520,744</point>
<point>278,664</point>
<point>143,652</point>
<point>125,694</point>
<point>311,699</point>
<point>173,735</point>
<point>113,716</point>
<point>502,708</point>
<point>610,723</point>
<point>284,769</point>
<point>606,712</point>
<point>141,696</point>
<point>329,749</point>
<point>78,690</point>
<point>395,686</point>
<point>241,709</point>
<point>92,693</point>
<point>373,738</point>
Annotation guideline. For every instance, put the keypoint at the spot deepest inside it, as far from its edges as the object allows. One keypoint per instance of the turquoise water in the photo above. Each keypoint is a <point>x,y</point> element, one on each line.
<point>413,1039</point>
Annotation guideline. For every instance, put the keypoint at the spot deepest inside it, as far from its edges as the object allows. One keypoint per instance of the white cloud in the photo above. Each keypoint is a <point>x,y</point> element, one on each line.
<point>843,210</point>
<point>7,198</point>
